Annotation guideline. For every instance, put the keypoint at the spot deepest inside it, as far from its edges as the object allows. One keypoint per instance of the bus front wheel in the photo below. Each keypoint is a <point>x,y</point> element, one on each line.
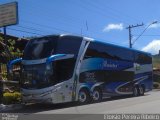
<point>83,96</point>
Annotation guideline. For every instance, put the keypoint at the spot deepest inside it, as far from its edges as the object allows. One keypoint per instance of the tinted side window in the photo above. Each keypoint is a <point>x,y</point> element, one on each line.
<point>63,69</point>
<point>69,45</point>
<point>96,50</point>
<point>142,58</point>
<point>123,54</point>
<point>107,51</point>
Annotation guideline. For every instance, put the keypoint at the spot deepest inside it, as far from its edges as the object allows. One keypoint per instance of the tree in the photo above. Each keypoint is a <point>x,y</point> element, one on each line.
<point>9,51</point>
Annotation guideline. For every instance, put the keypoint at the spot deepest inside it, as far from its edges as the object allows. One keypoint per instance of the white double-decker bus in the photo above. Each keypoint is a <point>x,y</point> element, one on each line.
<point>66,68</point>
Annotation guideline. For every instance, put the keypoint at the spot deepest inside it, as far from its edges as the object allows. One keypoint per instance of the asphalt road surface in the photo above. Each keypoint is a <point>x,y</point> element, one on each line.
<point>149,103</point>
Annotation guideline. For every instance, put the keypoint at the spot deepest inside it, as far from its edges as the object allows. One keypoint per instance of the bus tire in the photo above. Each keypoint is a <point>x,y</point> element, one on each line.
<point>83,96</point>
<point>135,91</point>
<point>97,95</point>
<point>141,90</point>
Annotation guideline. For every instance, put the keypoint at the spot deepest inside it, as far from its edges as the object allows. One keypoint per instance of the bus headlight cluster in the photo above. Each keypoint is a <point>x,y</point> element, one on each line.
<point>48,66</point>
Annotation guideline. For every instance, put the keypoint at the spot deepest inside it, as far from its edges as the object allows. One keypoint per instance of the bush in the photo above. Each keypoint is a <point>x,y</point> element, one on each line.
<point>155,85</point>
<point>4,75</point>
<point>11,98</point>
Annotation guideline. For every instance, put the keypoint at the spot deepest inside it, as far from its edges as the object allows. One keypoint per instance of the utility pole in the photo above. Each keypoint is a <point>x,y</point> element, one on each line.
<point>130,34</point>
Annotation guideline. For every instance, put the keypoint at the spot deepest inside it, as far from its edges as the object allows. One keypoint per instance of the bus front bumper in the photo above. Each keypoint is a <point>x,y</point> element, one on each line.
<point>46,97</point>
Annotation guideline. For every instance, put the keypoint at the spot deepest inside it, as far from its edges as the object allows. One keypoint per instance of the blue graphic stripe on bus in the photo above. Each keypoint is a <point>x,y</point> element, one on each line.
<point>143,74</point>
<point>147,81</point>
<point>103,64</point>
<point>111,87</point>
<point>88,85</point>
<point>53,57</point>
<point>11,63</point>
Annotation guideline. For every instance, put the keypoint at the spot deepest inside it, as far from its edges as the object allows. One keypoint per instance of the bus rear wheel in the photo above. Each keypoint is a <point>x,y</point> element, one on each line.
<point>83,96</point>
<point>135,91</point>
<point>97,95</point>
<point>141,90</point>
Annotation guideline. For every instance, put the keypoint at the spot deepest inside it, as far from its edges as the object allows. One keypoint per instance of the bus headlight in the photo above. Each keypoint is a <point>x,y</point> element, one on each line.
<point>48,66</point>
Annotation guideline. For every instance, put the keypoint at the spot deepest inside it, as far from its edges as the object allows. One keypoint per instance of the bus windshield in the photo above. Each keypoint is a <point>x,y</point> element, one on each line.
<point>40,48</point>
<point>33,76</point>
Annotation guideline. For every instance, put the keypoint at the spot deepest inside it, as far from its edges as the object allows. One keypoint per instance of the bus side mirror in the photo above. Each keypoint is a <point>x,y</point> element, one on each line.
<point>10,67</point>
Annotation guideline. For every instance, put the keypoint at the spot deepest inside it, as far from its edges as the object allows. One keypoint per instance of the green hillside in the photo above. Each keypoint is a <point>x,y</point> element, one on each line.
<point>156,74</point>
<point>156,61</point>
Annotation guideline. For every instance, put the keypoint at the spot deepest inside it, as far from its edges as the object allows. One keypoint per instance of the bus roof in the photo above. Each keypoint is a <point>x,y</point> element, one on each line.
<point>121,47</point>
<point>98,41</point>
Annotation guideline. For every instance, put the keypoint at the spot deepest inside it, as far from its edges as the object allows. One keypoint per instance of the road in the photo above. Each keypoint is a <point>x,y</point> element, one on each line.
<point>149,103</point>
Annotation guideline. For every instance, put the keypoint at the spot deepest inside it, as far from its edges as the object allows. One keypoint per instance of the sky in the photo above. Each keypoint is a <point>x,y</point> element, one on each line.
<point>103,20</point>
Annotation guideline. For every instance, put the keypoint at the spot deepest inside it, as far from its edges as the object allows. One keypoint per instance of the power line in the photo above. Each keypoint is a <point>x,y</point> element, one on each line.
<point>43,35</point>
<point>61,20</point>
<point>30,28</point>
<point>24,31</point>
<point>45,26</point>
<point>147,35</point>
<point>92,11</point>
<point>40,25</point>
<point>104,9</point>
<point>64,20</point>
<point>144,31</point>
<point>81,21</point>
<point>52,28</point>
<point>100,12</point>
<point>118,11</point>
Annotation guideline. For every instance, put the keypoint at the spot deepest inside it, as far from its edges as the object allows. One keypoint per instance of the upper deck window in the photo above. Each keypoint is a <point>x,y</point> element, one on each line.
<point>101,50</point>
<point>44,47</point>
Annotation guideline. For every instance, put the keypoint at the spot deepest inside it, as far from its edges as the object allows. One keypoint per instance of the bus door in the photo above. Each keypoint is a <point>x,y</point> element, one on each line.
<point>68,73</point>
<point>64,71</point>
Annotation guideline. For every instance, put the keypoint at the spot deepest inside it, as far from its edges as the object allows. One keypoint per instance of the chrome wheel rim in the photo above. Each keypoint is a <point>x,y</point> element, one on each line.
<point>141,91</point>
<point>82,97</point>
<point>96,95</point>
<point>135,92</point>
